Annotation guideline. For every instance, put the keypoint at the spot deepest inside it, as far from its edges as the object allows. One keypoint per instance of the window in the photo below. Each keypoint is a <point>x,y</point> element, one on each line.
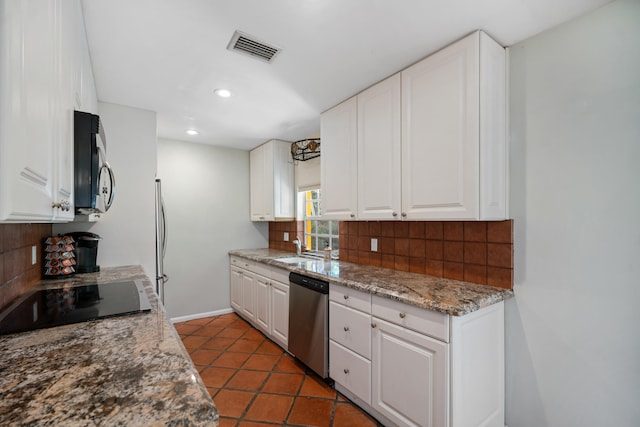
<point>317,232</point>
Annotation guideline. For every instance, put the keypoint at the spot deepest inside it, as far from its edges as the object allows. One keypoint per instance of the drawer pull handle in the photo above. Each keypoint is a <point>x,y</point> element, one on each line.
<point>373,325</point>
<point>346,297</point>
<point>346,329</point>
<point>352,215</point>
<point>346,371</point>
<point>403,315</point>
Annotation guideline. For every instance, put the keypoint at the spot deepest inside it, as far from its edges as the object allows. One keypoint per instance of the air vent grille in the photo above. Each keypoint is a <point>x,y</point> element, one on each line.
<point>249,45</point>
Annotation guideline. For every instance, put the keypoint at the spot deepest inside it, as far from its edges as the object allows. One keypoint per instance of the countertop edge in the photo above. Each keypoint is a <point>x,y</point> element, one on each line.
<point>99,381</point>
<point>490,295</point>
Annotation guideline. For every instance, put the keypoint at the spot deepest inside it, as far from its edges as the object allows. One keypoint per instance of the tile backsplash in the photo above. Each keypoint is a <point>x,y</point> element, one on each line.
<point>276,234</point>
<point>473,251</point>
<point>17,274</point>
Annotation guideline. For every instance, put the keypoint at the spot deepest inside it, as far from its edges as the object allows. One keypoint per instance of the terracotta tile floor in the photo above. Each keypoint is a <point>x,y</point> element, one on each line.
<point>254,382</point>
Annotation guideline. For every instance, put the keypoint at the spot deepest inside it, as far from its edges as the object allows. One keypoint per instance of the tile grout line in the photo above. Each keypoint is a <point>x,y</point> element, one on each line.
<point>304,372</point>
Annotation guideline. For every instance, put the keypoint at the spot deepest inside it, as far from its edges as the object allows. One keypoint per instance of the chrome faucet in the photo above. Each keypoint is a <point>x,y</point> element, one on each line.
<point>298,246</point>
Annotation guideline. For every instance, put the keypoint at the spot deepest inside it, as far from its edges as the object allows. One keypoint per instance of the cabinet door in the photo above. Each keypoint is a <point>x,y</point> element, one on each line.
<point>249,296</point>
<point>262,303</point>
<point>280,313</point>
<point>236,289</point>
<point>283,180</point>
<point>26,107</point>
<point>261,189</point>
<point>440,133</point>
<point>256,170</point>
<point>350,370</point>
<point>338,166</point>
<point>410,376</point>
<point>379,151</point>
<point>65,65</point>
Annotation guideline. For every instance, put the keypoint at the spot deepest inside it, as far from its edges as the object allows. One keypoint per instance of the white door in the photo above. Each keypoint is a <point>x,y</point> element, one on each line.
<point>236,289</point>
<point>262,303</point>
<point>440,134</point>
<point>280,312</point>
<point>379,151</point>
<point>338,168</point>
<point>249,296</point>
<point>410,376</point>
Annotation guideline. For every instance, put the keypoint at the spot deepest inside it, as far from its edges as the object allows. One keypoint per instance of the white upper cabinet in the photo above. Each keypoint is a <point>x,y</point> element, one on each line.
<point>338,163</point>
<point>272,182</point>
<point>40,58</point>
<point>379,150</point>
<point>431,141</point>
<point>453,133</point>
<point>26,110</point>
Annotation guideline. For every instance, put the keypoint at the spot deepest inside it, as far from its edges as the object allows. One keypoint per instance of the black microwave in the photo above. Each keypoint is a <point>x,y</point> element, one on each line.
<point>94,183</point>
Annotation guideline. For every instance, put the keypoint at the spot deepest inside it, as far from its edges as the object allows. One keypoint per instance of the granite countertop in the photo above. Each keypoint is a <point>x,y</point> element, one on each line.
<point>433,293</point>
<point>129,370</point>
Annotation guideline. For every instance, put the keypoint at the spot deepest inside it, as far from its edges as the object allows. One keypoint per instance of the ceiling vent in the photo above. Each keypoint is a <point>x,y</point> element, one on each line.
<point>249,45</point>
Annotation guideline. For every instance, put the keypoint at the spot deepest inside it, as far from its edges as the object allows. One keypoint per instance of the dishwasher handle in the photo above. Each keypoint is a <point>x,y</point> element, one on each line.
<point>312,283</point>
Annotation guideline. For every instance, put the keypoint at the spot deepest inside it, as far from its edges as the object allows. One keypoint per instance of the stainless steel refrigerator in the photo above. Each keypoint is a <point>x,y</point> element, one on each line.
<point>161,242</point>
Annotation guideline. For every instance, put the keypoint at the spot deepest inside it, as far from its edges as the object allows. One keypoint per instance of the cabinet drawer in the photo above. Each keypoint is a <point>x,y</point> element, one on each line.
<point>350,370</point>
<point>253,266</point>
<point>350,328</point>
<point>419,319</point>
<point>350,297</point>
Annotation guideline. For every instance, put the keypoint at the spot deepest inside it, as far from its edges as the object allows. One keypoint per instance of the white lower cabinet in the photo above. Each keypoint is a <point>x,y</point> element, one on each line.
<point>236,288</point>
<point>350,370</point>
<point>260,295</point>
<point>409,366</point>
<point>410,376</point>
<point>350,342</point>
<point>249,296</point>
<point>262,288</point>
<point>350,328</point>
<point>279,297</point>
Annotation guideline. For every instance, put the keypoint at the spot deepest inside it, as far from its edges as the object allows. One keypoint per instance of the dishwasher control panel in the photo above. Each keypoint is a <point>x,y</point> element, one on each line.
<point>309,282</point>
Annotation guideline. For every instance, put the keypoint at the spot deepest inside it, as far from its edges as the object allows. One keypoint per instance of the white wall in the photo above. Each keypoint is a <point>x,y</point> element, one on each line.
<point>573,337</point>
<point>206,194</point>
<point>128,228</point>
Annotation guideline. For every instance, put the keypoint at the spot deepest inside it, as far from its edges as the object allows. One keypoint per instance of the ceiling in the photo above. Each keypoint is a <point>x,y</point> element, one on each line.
<point>169,56</point>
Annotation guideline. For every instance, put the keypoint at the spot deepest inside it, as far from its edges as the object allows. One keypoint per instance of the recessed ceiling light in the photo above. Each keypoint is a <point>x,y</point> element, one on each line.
<point>222,93</point>
<point>192,132</point>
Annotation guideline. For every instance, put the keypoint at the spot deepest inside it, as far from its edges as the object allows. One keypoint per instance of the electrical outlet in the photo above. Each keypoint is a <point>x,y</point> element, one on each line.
<point>34,255</point>
<point>286,236</point>
<point>374,245</point>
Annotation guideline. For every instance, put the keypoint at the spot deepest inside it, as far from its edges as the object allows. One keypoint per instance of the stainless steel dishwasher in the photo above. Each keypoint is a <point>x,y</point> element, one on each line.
<point>309,322</point>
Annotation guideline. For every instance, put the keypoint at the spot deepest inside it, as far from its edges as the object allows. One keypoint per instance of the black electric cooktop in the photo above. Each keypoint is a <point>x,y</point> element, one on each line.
<point>61,306</point>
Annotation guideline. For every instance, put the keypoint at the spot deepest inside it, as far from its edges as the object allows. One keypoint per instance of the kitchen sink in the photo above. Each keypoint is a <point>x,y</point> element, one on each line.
<point>297,259</point>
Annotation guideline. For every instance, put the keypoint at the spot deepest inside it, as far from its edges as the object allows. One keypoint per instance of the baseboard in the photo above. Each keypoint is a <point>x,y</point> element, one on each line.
<point>201,315</point>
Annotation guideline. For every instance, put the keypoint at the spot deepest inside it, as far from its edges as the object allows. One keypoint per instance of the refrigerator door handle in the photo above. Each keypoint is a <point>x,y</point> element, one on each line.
<point>164,227</point>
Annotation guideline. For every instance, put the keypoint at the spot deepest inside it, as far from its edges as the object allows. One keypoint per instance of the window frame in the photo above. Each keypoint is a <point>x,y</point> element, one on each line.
<point>333,236</point>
